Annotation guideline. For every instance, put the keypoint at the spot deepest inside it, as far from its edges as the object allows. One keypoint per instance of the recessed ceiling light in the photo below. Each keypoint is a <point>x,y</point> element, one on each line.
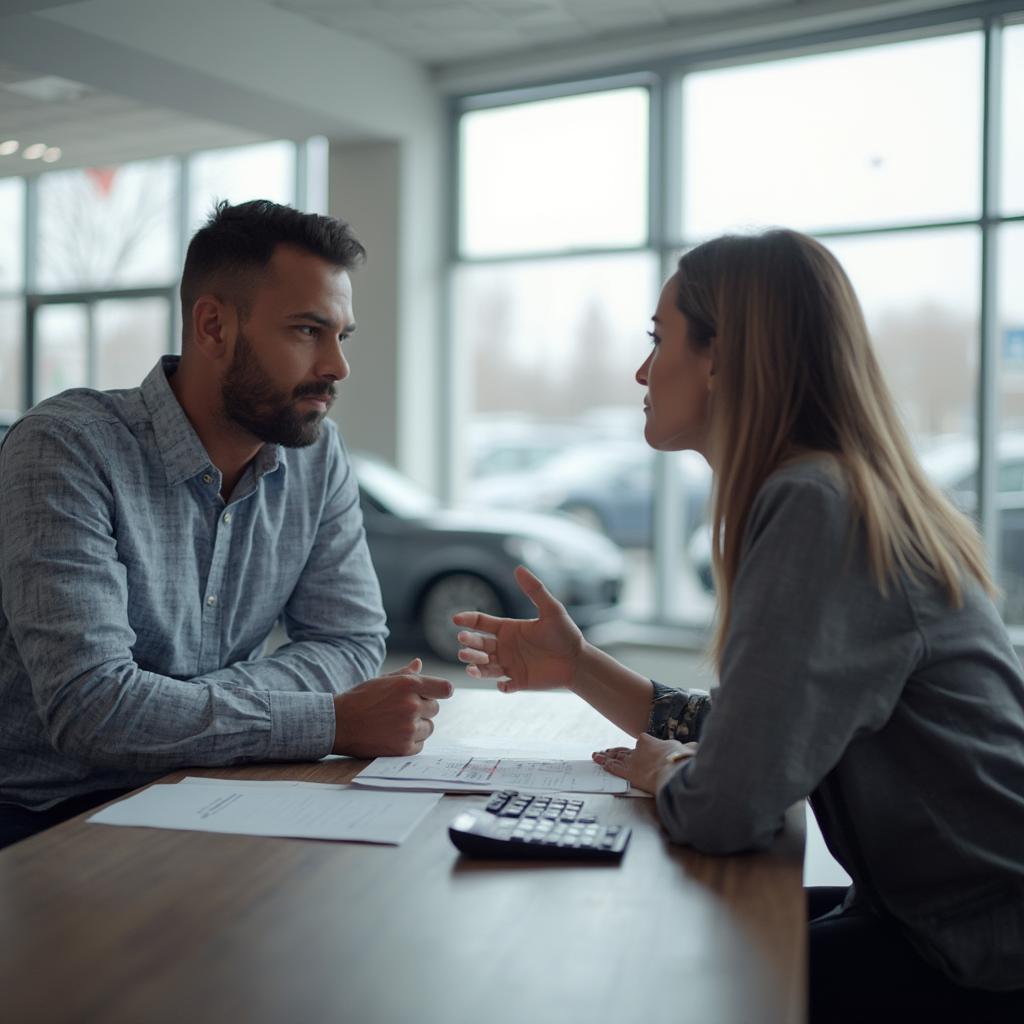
<point>35,151</point>
<point>49,89</point>
<point>9,147</point>
<point>52,154</point>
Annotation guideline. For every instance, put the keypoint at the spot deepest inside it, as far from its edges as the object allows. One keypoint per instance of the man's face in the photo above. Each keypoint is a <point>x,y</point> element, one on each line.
<point>288,352</point>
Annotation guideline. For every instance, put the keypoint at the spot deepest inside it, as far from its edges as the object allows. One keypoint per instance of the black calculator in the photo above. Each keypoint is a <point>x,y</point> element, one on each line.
<point>523,826</point>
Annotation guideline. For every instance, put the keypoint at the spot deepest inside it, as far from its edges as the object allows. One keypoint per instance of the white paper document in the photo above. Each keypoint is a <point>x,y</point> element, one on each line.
<point>460,772</point>
<point>306,810</point>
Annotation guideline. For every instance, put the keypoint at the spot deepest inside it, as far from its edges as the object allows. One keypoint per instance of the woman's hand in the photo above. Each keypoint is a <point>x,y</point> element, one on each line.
<point>649,765</point>
<point>523,654</point>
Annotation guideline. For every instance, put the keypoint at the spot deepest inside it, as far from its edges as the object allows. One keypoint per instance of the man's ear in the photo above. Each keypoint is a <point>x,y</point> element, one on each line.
<point>214,326</point>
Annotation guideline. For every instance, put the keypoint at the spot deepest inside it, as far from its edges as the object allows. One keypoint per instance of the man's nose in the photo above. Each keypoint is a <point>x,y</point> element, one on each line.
<point>335,365</point>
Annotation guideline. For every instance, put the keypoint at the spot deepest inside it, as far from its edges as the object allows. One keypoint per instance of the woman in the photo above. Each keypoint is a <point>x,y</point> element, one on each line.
<point>861,661</point>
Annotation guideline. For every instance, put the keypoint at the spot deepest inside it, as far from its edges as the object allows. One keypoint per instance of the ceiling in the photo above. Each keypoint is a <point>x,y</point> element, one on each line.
<point>438,31</point>
<point>93,127</point>
<point>113,80</point>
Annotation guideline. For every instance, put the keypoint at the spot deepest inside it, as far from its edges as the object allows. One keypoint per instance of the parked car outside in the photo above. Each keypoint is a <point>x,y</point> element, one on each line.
<point>434,561</point>
<point>505,444</point>
<point>607,485</point>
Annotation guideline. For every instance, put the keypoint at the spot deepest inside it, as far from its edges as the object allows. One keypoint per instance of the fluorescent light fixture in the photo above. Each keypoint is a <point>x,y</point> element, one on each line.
<point>35,151</point>
<point>8,147</point>
<point>51,154</point>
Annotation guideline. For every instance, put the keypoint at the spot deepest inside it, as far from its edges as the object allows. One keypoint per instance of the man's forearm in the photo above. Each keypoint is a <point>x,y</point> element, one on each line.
<point>313,666</point>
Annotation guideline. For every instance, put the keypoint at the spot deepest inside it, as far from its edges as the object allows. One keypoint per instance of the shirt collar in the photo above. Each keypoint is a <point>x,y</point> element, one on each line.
<point>183,453</point>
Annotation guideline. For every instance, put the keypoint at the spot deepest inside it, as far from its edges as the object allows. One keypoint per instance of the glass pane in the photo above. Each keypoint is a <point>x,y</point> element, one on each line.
<point>107,227</point>
<point>1013,119</point>
<point>263,171</point>
<point>12,329</point>
<point>564,173</point>
<point>131,334</point>
<point>62,349</point>
<point>1011,438</point>
<point>555,420</point>
<point>886,134</point>
<point>920,296</point>
<point>12,233</point>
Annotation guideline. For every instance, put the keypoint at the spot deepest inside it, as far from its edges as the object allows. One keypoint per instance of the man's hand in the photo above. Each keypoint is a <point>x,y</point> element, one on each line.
<point>650,765</point>
<point>389,716</point>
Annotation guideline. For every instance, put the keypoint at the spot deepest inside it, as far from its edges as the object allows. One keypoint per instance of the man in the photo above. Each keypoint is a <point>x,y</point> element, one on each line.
<point>151,538</point>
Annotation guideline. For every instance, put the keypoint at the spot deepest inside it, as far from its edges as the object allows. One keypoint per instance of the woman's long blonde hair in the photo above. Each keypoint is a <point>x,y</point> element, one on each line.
<point>795,371</point>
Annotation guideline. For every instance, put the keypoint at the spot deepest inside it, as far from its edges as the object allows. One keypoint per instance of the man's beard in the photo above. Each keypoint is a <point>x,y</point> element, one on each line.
<point>252,400</point>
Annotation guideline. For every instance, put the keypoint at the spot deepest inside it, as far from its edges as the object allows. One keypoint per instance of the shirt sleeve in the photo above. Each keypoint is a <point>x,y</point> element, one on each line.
<point>334,617</point>
<point>65,596</point>
<point>814,657</point>
<point>678,714</point>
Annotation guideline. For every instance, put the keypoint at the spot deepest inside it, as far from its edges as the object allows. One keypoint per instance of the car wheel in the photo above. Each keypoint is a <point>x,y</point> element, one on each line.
<point>585,516</point>
<point>458,592</point>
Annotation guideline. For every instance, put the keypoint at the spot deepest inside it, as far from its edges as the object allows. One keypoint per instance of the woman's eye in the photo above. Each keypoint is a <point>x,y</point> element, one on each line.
<point>655,340</point>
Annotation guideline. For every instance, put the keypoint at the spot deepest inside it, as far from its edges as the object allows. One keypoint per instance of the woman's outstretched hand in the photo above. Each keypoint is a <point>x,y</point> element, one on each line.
<point>522,654</point>
<point>649,765</point>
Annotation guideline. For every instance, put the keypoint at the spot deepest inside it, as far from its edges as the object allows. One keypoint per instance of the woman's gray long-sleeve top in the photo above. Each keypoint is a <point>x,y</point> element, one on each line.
<point>901,718</point>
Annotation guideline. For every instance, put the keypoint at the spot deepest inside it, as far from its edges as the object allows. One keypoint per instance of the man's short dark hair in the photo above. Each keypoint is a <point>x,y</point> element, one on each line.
<point>237,242</point>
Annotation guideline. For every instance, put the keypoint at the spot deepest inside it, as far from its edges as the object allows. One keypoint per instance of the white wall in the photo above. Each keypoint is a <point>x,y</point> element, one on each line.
<point>392,194</point>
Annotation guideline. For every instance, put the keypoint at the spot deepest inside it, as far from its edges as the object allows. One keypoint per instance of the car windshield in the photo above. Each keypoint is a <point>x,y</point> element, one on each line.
<point>391,490</point>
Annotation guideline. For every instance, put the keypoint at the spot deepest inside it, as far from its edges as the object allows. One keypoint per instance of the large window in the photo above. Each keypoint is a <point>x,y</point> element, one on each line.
<point>562,174</point>
<point>550,344</point>
<point>876,147</point>
<point>1012,135</point>
<point>98,277</point>
<point>106,227</point>
<point>264,171</point>
<point>883,135</point>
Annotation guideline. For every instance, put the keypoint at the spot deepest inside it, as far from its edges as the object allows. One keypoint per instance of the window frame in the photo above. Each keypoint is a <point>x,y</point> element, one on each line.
<point>664,78</point>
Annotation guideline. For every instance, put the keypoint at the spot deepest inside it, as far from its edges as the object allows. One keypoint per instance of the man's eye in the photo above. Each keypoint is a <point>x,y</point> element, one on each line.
<point>307,330</point>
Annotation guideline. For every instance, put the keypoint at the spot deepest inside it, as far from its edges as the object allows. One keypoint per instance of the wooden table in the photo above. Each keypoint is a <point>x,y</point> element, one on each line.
<point>145,926</point>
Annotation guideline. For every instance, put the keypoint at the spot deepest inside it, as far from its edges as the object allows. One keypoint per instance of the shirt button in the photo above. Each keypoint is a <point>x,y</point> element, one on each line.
<point>211,600</point>
<point>207,478</point>
<point>227,517</point>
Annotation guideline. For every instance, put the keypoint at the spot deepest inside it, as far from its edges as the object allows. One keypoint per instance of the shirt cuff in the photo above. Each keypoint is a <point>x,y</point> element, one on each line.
<point>677,714</point>
<point>301,726</point>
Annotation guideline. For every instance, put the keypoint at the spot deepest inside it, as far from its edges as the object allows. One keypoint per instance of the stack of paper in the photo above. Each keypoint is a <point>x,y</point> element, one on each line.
<point>461,771</point>
<point>307,810</point>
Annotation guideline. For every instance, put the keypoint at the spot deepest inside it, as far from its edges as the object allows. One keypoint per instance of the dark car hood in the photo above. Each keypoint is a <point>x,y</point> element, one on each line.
<point>559,531</point>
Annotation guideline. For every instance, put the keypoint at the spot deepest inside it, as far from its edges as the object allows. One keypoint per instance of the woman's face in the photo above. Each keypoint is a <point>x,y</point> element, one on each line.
<point>677,375</point>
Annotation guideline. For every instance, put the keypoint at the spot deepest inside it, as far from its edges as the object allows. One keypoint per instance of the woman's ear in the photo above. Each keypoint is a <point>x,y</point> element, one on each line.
<point>712,365</point>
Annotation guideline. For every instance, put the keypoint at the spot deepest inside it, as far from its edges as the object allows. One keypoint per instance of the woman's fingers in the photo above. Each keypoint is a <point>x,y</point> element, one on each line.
<point>477,641</point>
<point>615,752</point>
<point>478,620</point>
<point>615,765</point>
<point>532,587</point>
